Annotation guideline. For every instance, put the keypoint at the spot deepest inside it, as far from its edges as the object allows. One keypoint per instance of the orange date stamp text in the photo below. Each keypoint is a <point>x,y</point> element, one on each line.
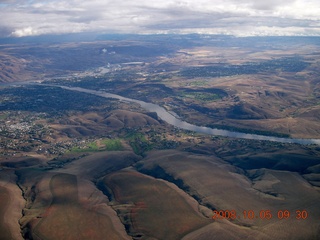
<point>262,214</point>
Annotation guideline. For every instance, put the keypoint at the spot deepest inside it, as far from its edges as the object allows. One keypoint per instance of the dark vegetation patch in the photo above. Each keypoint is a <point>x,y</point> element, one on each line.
<point>159,172</point>
<point>286,161</point>
<point>96,165</point>
<point>49,100</point>
<point>106,145</point>
<point>104,189</point>
<point>289,64</point>
<point>70,58</point>
<point>222,93</point>
<point>56,59</point>
<point>250,131</point>
<point>201,109</point>
<point>139,51</point>
<point>164,67</point>
<point>146,92</point>
<point>106,83</point>
<point>254,154</point>
<point>246,111</point>
<point>20,164</point>
<point>140,145</point>
<point>114,81</point>
<point>169,41</point>
<point>123,83</point>
<point>204,95</point>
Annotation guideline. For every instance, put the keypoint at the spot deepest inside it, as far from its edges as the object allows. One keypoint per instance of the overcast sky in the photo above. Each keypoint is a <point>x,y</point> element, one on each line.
<point>237,17</point>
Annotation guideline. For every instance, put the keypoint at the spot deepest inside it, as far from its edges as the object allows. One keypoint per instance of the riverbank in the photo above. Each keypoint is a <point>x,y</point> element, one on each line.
<point>171,119</point>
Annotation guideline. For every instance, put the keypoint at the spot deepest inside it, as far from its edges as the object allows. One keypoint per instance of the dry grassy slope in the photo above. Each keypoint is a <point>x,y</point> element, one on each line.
<point>98,164</point>
<point>297,194</point>
<point>12,69</point>
<point>51,60</point>
<point>214,181</point>
<point>4,201</point>
<point>78,216</point>
<point>20,162</point>
<point>284,102</point>
<point>294,160</point>
<point>11,204</point>
<point>93,123</point>
<point>224,187</point>
<point>123,118</point>
<point>66,198</point>
<point>289,107</point>
<point>312,174</point>
<point>64,206</point>
<point>152,208</point>
<point>225,230</point>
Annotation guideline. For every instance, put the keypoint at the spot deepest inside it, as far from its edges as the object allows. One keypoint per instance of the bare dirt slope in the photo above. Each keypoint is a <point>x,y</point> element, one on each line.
<point>11,203</point>
<point>152,208</point>
<point>68,200</point>
<point>224,187</point>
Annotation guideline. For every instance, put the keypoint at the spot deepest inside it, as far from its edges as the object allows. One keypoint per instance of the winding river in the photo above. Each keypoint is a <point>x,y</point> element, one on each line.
<point>171,119</point>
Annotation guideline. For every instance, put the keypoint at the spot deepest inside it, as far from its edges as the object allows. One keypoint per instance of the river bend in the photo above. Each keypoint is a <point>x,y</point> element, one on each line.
<point>171,119</point>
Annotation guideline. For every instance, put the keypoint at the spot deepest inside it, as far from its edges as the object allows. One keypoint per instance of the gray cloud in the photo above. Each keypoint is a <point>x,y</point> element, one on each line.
<point>241,17</point>
<point>4,31</point>
<point>265,5</point>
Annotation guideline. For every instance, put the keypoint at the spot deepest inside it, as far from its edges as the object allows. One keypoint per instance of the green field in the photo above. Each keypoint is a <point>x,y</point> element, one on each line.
<point>112,144</point>
<point>91,147</point>
<point>139,143</point>
<point>105,145</point>
<point>3,116</point>
<point>201,96</point>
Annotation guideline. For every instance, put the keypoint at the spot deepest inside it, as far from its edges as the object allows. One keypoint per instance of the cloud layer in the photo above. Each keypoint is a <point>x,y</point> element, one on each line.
<point>237,17</point>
